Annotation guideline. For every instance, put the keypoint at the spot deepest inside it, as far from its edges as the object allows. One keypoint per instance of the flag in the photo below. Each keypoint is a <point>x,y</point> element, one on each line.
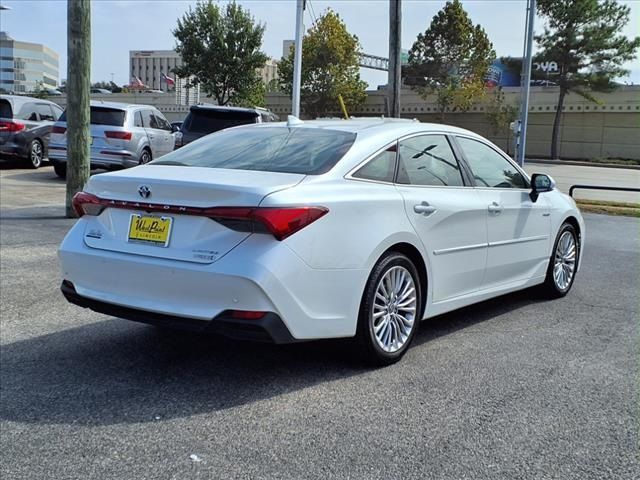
<point>168,80</point>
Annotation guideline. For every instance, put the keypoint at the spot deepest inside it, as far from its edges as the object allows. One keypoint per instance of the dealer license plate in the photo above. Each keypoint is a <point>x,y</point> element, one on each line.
<point>150,229</point>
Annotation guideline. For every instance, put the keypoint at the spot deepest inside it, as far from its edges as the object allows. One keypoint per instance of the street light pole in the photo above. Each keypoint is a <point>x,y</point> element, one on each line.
<point>395,57</point>
<point>297,59</point>
<point>526,82</point>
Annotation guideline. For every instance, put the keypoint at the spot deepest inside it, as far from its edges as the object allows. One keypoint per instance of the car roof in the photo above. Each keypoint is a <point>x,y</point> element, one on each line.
<point>22,99</point>
<point>224,108</point>
<point>374,127</point>
<point>119,105</point>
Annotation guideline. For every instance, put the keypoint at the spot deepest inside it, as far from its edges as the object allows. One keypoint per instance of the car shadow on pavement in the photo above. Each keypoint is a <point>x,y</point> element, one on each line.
<point>115,371</point>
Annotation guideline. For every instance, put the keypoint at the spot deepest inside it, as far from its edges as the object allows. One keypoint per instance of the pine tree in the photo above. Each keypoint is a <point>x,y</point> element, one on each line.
<point>583,38</point>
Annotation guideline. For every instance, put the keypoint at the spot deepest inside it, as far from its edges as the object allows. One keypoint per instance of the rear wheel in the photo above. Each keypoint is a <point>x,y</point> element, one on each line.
<point>563,263</point>
<point>60,169</point>
<point>36,154</point>
<point>390,310</point>
<point>145,157</point>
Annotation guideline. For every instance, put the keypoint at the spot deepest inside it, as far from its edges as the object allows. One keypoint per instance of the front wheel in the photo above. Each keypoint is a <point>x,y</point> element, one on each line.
<point>390,310</point>
<point>563,263</point>
<point>36,154</point>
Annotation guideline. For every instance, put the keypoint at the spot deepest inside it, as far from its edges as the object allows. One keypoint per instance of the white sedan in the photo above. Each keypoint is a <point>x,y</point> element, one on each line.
<point>297,231</point>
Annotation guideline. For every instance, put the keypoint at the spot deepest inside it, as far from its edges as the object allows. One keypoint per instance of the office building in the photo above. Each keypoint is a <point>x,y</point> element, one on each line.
<point>25,66</point>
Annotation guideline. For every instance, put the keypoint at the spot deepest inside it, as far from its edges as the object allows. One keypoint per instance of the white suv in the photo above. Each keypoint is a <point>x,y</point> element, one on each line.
<point>122,135</point>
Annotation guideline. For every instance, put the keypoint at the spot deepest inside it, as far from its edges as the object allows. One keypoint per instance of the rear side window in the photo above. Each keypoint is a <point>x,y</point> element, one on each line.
<point>210,120</point>
<point>28,112</point>
<point>380,168</point>
<point>45,112</point>
<point>310,151</point>
<point>428,160</point>
<point>103,116</point>
<point>5,109</point>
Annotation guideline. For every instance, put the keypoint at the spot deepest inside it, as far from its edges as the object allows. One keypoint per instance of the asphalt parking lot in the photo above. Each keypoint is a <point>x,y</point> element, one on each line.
<point>513,388</point>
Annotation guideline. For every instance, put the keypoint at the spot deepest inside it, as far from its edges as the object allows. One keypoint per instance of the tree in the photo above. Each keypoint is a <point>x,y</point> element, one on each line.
<point>500,114</point>
<point>451,59</point>
<point>329,68</point>
<point>220,51</point>
<point>583,38</point>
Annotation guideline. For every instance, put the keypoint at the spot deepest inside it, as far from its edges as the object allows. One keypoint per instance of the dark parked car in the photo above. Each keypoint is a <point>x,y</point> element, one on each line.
<point>205,119</point>
<point>25,127</point>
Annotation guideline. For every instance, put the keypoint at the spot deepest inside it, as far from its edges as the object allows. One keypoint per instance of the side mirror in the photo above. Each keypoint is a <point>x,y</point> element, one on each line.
<point>540,183</point>
<point>175,128</point>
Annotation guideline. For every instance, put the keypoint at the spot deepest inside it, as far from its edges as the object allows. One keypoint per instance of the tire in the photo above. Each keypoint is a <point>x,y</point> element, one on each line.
<point>36,154</point>
<point>384,339</point>
<point>145,156</point>
<point>60,169</point>
<point>563,263</point>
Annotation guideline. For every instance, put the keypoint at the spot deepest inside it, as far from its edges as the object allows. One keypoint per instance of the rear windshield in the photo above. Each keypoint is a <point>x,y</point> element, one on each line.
<point>103,116</point>
<point>5,109</point>
<point>209,121</point>
<point>310,151</point>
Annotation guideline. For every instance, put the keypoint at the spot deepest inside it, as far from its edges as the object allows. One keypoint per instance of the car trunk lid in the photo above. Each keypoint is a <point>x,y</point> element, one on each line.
<point>145,193</point>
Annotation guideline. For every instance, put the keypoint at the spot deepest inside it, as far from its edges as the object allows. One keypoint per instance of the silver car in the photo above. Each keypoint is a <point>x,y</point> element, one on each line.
<point>122,135</point>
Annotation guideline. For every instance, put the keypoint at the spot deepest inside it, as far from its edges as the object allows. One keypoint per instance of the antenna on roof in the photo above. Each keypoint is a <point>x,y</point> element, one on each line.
<point>292,121</point>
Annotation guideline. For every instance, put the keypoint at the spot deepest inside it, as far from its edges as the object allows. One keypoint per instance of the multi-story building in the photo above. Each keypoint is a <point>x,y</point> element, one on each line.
<point>150,65</point>
<point>25,66</point>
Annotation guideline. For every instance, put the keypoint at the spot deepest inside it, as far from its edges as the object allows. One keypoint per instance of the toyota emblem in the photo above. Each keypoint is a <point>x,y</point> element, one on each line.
<point>144,191</point>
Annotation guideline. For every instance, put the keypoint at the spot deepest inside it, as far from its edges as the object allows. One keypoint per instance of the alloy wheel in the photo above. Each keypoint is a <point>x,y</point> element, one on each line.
<point>394,309</point>
<point>36,154</point>
<point>564,261</point>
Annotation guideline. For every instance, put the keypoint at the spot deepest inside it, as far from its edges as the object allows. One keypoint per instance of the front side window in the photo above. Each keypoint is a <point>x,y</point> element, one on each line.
<point>428,160</point>
<point>381,168</point>
<point>149,119</point>
<point>490,169</point>
<point>309,151</point>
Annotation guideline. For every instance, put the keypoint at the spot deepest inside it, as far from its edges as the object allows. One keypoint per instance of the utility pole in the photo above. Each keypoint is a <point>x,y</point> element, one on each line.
<point>395,59</point>
<point>78,86</point>
<point>297,59</point>
<point>526,82</point>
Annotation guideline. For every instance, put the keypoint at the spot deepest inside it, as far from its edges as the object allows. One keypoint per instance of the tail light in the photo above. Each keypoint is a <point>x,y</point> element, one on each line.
<point>281,222</point>
<point>11,127</point>
<point>58,129</point>
<point>118,135</point>
<point>87,204</point>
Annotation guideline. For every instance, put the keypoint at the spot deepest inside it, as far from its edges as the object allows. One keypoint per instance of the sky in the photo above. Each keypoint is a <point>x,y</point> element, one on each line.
<point>122,25</point>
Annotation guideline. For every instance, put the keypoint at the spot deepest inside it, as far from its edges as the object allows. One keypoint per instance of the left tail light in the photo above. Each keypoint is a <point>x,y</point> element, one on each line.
<point>11,127</point>
<point>86,204</point>
<point>58,129</point>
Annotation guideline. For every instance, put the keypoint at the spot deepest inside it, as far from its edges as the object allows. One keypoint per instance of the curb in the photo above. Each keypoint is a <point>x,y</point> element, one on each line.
<point>581,164</point>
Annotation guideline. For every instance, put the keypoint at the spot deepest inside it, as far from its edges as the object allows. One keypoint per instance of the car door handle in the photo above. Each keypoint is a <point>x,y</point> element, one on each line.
<point>495,208</point>
<point>424,209</point>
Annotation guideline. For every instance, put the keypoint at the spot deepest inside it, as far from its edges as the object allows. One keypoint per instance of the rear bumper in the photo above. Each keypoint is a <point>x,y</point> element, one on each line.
<point>259,274</point>
<point>14,150</point>
<point>269,328</point>
<point>100,158</point>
